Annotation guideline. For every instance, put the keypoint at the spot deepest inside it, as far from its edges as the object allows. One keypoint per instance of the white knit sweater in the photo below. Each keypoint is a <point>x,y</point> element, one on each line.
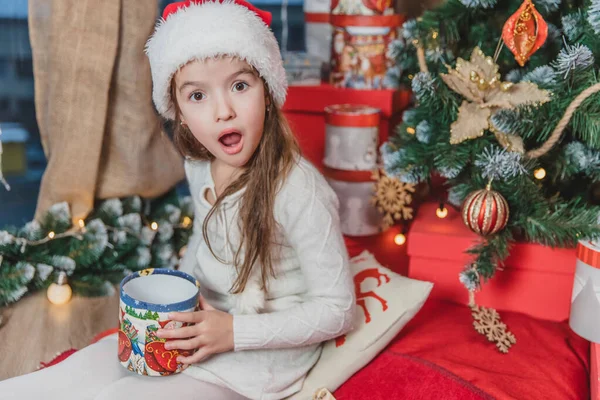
<point>277,335</point>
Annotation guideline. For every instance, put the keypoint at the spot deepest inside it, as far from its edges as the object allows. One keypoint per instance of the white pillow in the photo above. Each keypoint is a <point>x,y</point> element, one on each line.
<point>390,299</point>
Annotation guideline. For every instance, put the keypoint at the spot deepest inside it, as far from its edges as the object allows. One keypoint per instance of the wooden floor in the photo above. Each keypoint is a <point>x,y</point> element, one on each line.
<point>34,330</point>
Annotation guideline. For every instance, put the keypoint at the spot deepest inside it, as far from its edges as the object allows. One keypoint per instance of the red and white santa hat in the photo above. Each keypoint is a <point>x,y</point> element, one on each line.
<point>200,29</point>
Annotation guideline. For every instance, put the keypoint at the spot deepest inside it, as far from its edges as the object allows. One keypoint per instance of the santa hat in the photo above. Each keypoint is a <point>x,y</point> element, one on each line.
<point>197,29</point>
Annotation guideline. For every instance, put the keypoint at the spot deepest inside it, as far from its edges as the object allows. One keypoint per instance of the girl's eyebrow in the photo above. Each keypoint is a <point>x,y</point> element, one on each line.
<point>244,70</point>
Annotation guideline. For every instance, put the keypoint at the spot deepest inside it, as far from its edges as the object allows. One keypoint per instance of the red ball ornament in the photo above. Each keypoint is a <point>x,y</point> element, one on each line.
<point>485,211</point>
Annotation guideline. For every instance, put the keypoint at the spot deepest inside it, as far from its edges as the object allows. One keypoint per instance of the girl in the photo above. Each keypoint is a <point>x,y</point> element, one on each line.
<point>266,248</point>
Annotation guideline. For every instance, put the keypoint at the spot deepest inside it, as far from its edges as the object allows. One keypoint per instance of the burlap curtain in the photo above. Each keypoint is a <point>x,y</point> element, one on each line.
<point>99,130</point>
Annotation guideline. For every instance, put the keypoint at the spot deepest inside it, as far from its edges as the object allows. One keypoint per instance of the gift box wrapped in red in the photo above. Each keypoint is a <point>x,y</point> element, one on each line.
<point>535,279</point>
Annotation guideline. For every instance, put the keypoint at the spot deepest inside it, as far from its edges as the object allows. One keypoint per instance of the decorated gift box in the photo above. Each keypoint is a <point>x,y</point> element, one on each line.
<point>359,50</point>
<point>535,279</point>
<point>146,298</point>
<point>317,29</point>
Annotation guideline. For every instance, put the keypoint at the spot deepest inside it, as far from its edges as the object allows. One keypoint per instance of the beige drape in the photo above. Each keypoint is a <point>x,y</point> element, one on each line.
<point>99,130</point>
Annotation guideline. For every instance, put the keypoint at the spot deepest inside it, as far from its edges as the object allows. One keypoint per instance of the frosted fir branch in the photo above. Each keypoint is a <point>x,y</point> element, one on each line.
<point>583,159</point>
<point>113,208</point>
<point>6,238</point>
<point>479,3</point>
<point>410,30</point>
<point>573,24</point>
<point>544,77</point>
<point>164,253</point>
<point>391,158</point>
<point>414,175</point>
<point>165,231</point>
<point>32,230</point>
<point>119,237</point>
<point>147,236</point>
<point>143,257</point>
<point>439,56</point>
<point>594,16</point>
<point>423,84</point>
<point>63,263</point>
<point>499,164</point>
<point>26,270</point>
<point>132,221</point>
<point>514,75</point>
<point>44,271</point>
<point>60,212</point>
<point>409,117</point>
<point>455,196</point>
<point>449,172</point>
<point>13,296</point>
<point>554,34</point>
<point>391,80</point>
<point>505,120</point>
<point>396,48</point>
<point>173,213</point>
<point>547,6</point>
<point>98,230</point>
<point>423,132</point>
<point>187,206</point>
<point>469,279</point>
<point>572,59</point>
<point>135,204</point>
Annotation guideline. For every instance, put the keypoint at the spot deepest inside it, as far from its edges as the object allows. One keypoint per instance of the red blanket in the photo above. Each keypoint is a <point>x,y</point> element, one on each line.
<point>439,345</point>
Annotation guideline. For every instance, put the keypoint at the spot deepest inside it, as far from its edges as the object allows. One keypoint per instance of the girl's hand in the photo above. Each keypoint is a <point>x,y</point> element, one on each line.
<point>211,333</point>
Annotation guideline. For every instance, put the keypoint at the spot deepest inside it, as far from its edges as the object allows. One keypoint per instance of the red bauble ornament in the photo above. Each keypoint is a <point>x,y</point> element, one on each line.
<point>525,32</point>
<point>485,211</point>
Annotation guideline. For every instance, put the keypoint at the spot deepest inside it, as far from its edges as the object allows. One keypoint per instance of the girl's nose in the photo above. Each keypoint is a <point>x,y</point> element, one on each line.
<point>223,109</point>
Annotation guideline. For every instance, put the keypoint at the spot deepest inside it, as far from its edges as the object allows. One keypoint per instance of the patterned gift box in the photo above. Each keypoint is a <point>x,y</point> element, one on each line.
<point>359,50</point>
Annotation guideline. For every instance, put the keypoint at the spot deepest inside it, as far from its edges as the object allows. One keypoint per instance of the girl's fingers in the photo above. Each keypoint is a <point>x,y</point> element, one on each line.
<point>178,333</point>
<point>198,356</point>
<point>193,316</point>
<point>189,344</point>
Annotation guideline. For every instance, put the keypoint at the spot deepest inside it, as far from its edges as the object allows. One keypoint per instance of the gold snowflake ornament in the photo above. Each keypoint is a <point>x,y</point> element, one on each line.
<point>488,323</point>
<point>392,198</point>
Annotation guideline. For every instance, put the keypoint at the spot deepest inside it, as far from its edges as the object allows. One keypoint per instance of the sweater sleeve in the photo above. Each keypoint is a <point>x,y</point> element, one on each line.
<point>189,261</point>
<point>308,214</point>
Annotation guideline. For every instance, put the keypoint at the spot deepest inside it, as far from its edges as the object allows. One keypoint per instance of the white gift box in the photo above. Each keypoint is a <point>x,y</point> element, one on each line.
<point>585,300</point>
<point>358,217</point>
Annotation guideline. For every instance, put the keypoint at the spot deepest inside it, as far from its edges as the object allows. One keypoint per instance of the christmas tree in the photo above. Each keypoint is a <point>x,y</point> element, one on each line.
<point>528,133</point>
<point>119,237</point>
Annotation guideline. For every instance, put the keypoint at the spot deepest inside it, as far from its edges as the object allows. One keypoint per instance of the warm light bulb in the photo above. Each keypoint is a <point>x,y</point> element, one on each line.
<point>400,239</point>
<point>186,221</point>
<point>51,235</point>
<point>441,212</point>
<point>59,292</point>
<point>81,223</point>
<point>410,130</point>
<point>539,173</point>
<point>154,226</point>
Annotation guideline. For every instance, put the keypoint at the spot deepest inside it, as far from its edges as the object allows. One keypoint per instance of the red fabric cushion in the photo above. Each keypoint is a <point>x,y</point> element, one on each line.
<point>395,376</point>
<point>548,360</point>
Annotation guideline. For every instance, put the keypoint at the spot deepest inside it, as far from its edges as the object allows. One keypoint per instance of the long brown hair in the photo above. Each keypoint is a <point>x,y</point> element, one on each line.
<point>262,177</point>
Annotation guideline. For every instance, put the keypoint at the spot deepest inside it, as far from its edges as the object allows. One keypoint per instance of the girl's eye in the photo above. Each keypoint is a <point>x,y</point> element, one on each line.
<point>196,96</point>
<point>240,86</point>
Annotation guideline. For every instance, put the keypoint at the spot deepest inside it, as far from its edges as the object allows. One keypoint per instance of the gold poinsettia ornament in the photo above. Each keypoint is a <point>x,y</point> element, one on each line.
<point>478,81</point>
